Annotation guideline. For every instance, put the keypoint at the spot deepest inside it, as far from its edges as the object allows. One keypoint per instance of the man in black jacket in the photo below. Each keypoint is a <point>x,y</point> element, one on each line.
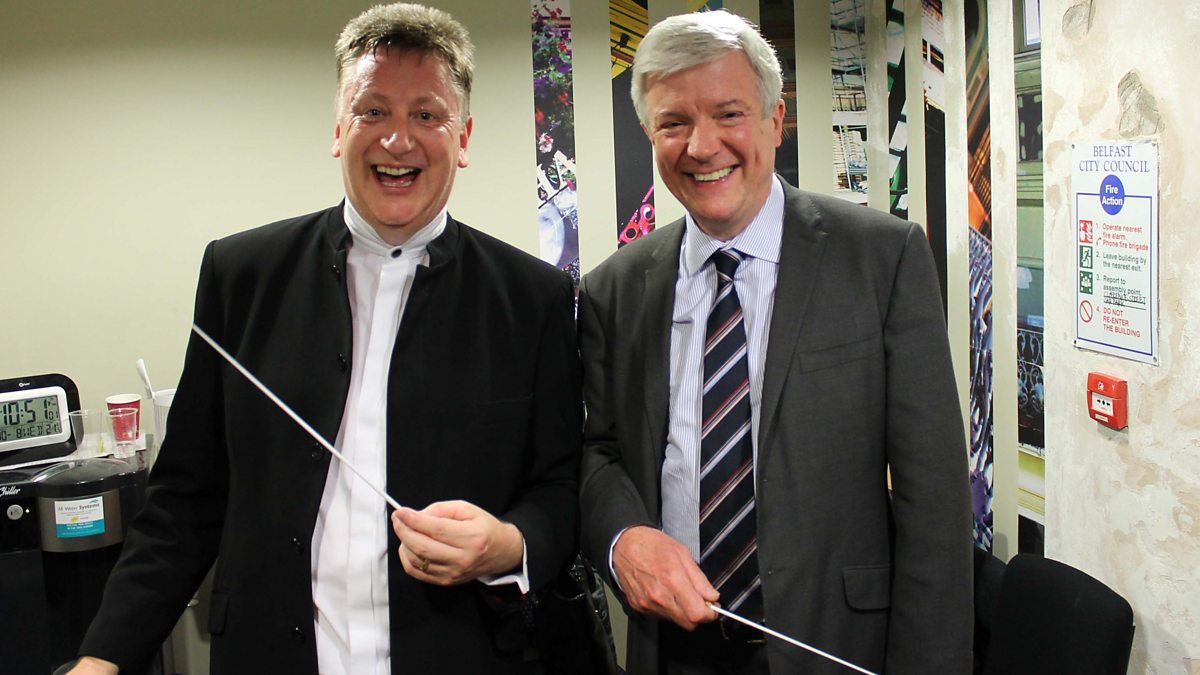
<point>441,360</point>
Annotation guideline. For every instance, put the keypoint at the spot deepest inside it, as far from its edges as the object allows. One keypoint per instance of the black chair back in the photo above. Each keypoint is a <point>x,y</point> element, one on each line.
<point>989,574</point>
<point>1053,618</point>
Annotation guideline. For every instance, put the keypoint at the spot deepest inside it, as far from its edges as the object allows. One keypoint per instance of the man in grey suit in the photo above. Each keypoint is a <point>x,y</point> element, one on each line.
<point>753,374</point>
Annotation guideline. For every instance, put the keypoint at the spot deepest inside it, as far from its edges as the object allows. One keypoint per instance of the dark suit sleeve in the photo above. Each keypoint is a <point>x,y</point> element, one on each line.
<point>931,621</point>
<point>547,509</point>
<point>610,502</point>
<point>172,542</point>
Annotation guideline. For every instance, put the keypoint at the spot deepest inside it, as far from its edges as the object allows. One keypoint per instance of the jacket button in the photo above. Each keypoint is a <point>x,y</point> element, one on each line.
<point>342,364</point>
<point>297,634</point>
<point>297,545</point>
<point>337,271</point>
<point>316,452</point>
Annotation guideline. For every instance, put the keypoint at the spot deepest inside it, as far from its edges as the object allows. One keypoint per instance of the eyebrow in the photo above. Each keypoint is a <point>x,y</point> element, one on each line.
<point>722,105</point>
<point>731,103</point>
<point>374,95</point>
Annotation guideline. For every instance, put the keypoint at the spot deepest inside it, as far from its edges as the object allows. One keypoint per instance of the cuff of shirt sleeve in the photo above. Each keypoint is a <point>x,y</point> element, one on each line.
<point>612,573</point>
<point>521,579</point>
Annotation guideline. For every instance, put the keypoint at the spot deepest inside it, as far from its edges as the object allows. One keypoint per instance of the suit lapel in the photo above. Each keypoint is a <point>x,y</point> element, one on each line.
<point>659,299</point>
<point>801,250</point>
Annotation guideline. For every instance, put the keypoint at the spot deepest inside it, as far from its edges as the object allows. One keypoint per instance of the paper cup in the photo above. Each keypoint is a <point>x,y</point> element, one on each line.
<point>134,401</point>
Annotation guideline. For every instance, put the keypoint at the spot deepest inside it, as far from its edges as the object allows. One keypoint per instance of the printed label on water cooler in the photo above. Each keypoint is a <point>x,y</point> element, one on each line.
<point>79,517</point>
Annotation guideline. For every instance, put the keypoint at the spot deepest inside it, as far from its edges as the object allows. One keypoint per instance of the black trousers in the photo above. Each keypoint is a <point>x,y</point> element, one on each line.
<point>712,649</point>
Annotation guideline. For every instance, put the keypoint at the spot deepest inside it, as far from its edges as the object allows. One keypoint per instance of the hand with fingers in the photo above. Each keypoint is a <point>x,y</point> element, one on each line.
<point>454,542</point>
<point>659,577</point>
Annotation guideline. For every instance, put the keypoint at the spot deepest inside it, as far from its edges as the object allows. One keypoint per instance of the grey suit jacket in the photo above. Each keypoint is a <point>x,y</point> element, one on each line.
<point>857,382</point>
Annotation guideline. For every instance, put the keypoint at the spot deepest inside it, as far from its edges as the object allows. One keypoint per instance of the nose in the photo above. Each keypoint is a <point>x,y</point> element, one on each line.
<point>397,140</point>
<point>704,142</point>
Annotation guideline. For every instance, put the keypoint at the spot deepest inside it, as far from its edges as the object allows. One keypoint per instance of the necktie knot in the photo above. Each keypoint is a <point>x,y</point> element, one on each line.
<point>726,261</point>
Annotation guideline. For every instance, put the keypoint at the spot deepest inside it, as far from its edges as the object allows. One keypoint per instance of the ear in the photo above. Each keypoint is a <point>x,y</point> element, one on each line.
<point>337,140</point>
<point>777,121</point>
<point>646,131</point>
<point>464,135</point>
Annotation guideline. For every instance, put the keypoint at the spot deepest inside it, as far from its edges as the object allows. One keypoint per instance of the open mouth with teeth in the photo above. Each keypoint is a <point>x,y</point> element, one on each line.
<point>392,176</point>
<point>713,176</point>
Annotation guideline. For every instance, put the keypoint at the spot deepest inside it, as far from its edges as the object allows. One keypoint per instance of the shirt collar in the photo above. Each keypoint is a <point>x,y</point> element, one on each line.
<point>365,236</point>
<point>761,238</point>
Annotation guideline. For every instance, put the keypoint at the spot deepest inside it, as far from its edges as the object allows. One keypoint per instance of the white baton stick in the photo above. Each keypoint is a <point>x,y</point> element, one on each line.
<point>781,636</point>
<point>290,413</point>
<point>396,505</point>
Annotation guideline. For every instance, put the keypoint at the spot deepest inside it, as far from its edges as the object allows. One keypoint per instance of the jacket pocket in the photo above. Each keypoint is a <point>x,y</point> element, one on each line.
<point>829,357</point>
<point>217,608</point>
<point>868,587</point>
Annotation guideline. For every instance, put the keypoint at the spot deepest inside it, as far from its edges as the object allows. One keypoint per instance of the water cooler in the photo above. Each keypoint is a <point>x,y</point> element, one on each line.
<point>61,533</point>
<point>24,621</point>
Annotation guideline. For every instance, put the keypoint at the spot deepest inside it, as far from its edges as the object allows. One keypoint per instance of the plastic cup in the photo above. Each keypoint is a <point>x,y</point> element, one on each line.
<point>162,406</point>
<point>124,425</point>
<point>92,439</point>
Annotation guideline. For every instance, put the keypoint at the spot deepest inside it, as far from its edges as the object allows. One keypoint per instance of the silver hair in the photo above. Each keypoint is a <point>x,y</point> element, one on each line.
<point>410,27</point>
<point>689,40</point>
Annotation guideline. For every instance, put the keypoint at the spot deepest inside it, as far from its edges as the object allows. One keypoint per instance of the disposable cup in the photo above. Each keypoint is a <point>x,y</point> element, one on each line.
<point>162,406</point>
<point>90,432</point>
<point>123,422</point>
<point>127,401</point>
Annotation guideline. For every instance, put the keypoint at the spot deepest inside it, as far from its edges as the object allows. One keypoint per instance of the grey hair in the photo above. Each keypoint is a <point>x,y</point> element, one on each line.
<point>409,27</point>
<point>689,40</point>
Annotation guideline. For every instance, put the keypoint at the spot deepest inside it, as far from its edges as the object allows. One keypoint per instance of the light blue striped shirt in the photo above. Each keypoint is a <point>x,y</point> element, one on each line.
<point>695,288</point>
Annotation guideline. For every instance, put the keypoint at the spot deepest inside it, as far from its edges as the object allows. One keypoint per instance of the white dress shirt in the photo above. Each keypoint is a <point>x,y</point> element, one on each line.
<point>349,544</point>
<point>695,288</point>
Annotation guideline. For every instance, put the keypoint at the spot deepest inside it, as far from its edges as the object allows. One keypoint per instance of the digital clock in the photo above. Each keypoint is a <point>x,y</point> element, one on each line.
<point>33,418</point>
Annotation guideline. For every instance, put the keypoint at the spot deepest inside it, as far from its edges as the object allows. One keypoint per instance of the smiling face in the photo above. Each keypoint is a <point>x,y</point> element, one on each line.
<point>714,147</point>
<point>400,138</point>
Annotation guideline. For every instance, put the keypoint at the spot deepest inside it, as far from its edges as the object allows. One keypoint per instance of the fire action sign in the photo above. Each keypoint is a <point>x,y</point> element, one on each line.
<point>1115,190</point>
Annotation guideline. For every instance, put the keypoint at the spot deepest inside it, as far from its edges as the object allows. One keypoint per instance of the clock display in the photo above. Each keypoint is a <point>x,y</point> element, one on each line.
<point>35,419</point>
<point>28,418</point>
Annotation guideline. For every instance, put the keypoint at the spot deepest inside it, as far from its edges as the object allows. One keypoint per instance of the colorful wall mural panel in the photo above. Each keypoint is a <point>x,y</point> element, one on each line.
<point>554,121</point>
<point>848,22</point>
<point>777,21</point>
<point>933,75</point>
<point>897,112</point>
<point>628,22</point>
<point>979,213</point>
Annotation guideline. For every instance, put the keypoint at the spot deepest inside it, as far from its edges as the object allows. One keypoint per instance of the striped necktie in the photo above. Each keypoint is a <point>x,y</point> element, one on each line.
<point>728,531</point>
